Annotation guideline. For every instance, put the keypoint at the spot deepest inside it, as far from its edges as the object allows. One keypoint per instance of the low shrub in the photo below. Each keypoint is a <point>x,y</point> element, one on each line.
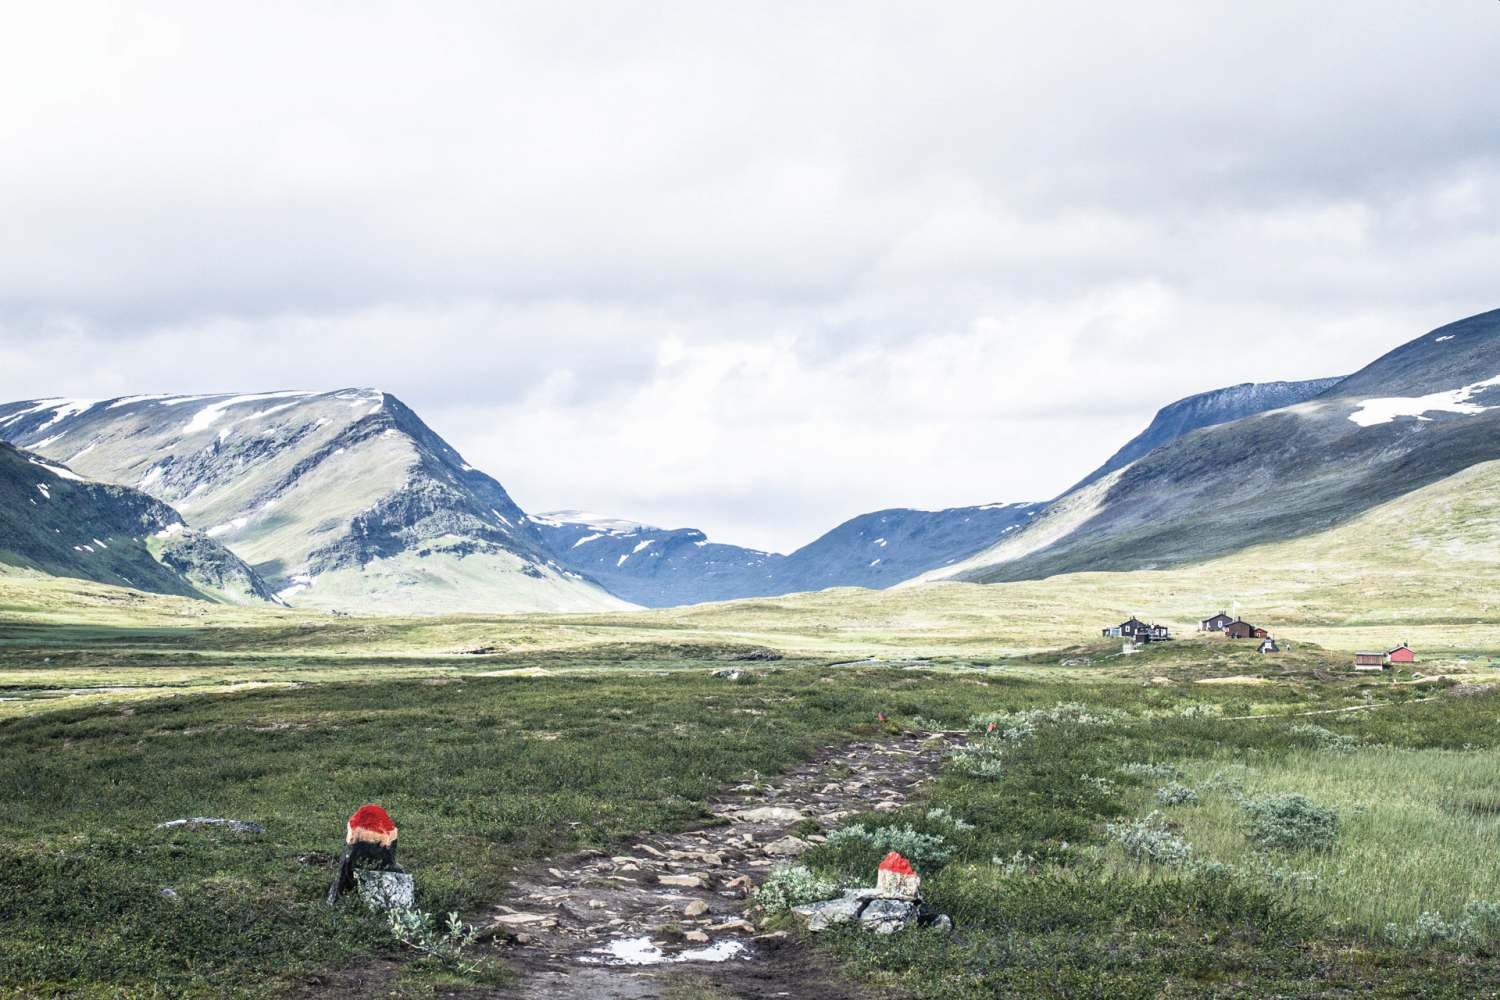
<point>1175,793</point>
<point>1017,726</point>
<point>793,885</point>
<point>1290,822</point>
<point>1154,772</point>
<point>943,817</point>
<point>921,849</point>
<point>1477,927</point>
<point>1151,841</point>
<point>978,761</point>
<point>1323,738</point>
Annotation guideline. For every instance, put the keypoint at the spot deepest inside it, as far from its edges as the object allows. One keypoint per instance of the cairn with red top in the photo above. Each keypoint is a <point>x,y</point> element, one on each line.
<point>370,843</point>
<point>897,879</point>
<point>894,904</point>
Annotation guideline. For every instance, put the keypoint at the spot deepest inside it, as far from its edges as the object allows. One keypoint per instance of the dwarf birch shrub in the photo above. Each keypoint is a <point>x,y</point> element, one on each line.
<point>1324,738</point>
<point>792,885</point>
<point>1289,822</point>
<point>1174,793</point>
<point>921,849</point>
<point>1150,841</point>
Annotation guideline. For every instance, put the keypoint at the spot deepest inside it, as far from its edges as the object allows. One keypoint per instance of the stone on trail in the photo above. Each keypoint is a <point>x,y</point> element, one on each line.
<point>696,908</point>
<point>688,881</point>
<point>769,814</point>
<point>787,847</point>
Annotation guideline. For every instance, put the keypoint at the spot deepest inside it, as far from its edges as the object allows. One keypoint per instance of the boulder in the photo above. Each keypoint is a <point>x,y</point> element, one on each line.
<point>685,881</point>
<point>887,916</point>
<point>821,916</point>
<point>387,890</point>
<point>769,814</point>
<point>787,847</point>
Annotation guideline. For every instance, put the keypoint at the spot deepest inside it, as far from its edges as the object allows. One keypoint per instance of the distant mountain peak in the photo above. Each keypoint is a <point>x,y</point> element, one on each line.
<point>595,522</point>
<point>342,499</point>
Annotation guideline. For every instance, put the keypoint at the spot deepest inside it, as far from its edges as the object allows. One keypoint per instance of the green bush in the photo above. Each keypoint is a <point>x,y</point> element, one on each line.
<point>1290,822</point>
<point>1324,739</point>
<point>1151,841</point>
<point>791,886</point>
<point>1174,793</point>
<point>921,849</point>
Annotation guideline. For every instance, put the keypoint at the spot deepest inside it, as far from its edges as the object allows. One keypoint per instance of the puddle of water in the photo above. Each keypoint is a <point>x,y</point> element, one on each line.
<point>643,951</point>
<point>719,951</point>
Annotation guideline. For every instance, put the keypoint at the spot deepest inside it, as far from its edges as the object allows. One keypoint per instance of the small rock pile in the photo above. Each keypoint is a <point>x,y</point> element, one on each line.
<point>894,904</point>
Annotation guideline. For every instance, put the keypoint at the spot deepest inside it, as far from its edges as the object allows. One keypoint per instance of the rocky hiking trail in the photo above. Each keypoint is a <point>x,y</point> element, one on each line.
<point>670,907</point>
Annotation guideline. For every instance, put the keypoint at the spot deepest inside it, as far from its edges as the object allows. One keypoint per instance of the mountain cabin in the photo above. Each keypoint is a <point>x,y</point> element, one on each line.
<point>1214,624</point>
<point>1241,629</point>
<point>1127,629</point>
<point>1138,632</point>
<point>1401,654</point>
<point>1268,645</point>
<point>1369,661</point>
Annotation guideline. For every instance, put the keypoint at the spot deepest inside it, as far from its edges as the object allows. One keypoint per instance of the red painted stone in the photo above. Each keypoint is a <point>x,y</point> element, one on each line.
<point>372,818</point>
<point>894,862</point>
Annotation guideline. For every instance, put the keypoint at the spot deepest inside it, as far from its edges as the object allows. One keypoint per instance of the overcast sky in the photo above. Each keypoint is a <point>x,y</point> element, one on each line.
<point>748,267</point>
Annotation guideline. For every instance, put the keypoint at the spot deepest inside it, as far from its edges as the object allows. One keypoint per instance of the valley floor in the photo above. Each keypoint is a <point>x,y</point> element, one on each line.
<point>495,761</point>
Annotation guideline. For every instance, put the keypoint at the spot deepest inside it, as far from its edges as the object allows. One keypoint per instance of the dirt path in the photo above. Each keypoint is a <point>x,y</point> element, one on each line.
<point>669,908</point>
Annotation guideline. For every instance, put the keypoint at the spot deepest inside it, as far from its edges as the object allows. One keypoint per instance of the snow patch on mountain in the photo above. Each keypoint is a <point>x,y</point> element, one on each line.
<point>212,413</point>
<point>1382,411</point>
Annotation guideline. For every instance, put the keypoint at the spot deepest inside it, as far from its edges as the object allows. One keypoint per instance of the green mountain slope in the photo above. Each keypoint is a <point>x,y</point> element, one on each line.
<point>55,522</point>
<point>1423,412</point>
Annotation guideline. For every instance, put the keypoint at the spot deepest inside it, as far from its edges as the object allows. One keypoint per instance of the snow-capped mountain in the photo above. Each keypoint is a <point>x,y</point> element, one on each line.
<point>1208,409</point>
<point>660,567</point>
<point>340,499</point>
<point>54,521</point>
<point>656,567</point>
<point>1423,412</point>
<point>885,547</point>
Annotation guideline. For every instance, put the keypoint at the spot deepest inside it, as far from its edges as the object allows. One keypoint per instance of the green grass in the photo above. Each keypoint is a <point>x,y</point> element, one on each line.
<point>1419,829</point>
<point>480,774</point>
<point>1047,906</point>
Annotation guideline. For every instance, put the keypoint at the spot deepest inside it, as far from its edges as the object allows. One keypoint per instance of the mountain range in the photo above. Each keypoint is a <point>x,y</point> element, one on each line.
<point>346,500</point>
<point>1423,412</point>
<point>340,500</point>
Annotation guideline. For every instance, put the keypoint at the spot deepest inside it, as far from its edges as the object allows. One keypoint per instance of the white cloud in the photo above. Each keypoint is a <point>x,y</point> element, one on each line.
<point>748,268</point>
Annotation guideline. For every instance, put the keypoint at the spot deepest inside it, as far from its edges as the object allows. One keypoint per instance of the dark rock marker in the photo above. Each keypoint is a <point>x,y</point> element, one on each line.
<point>370,841</point>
